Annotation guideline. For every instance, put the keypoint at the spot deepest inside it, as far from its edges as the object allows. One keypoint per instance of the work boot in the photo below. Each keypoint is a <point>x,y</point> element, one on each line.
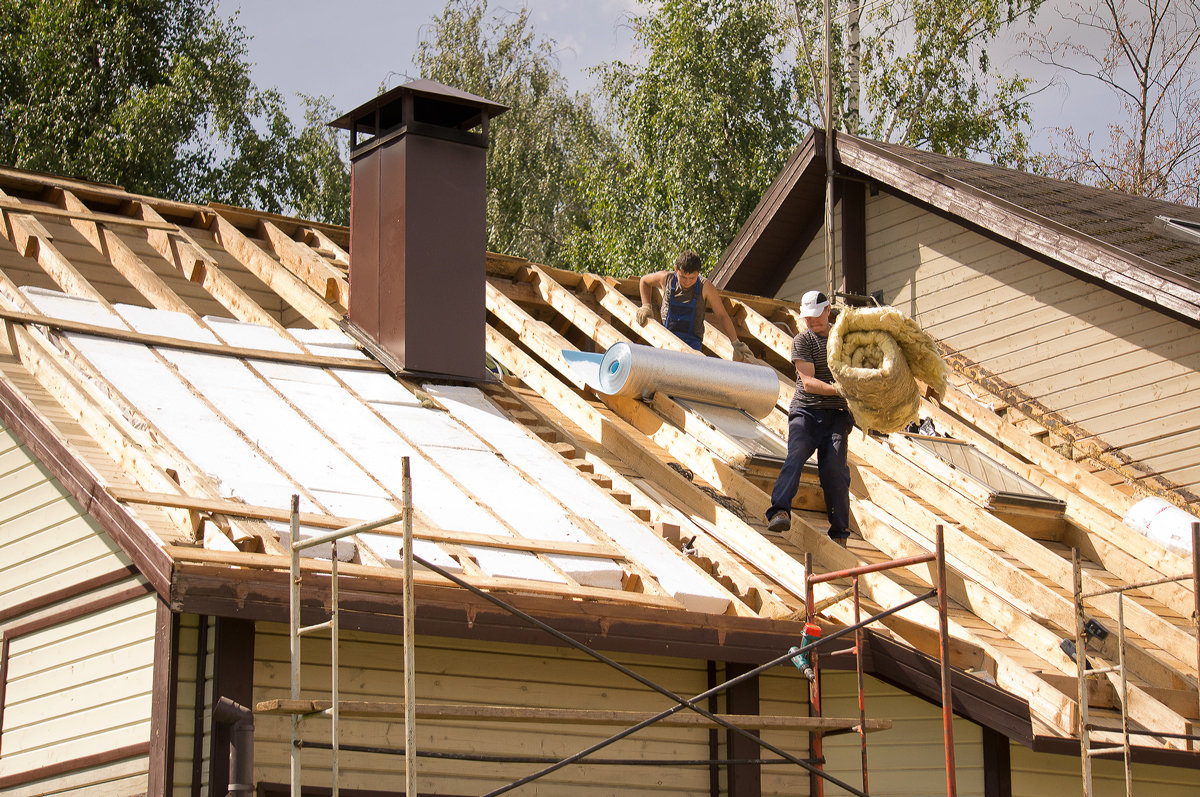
<point>780,521</point>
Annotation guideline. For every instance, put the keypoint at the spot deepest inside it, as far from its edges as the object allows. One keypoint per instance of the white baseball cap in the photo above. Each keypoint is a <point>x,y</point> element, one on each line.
<point>812,304</point>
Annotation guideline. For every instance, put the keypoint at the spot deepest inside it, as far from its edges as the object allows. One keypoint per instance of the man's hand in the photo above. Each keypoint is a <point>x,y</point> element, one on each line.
<point>643,314</point>
<point>838,390</point>
<point>741,352</point>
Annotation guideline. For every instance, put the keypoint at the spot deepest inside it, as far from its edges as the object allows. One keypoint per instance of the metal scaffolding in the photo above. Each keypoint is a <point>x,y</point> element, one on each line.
<point>1086,629</point>
<point>807,651</point>
<point>817,786</point>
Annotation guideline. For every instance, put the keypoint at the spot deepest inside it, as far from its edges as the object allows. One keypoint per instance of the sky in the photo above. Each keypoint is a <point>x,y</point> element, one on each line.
<point>346,49</point>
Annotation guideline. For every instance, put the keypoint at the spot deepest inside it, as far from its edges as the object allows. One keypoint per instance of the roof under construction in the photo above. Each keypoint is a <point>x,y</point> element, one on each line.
<point>185,369</point>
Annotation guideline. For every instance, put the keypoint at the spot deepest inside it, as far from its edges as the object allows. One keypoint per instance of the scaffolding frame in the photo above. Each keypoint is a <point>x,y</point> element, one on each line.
<point>296,631</point>
<point>1086,751</point>
<point>816,785</point>
<point>814,764</point>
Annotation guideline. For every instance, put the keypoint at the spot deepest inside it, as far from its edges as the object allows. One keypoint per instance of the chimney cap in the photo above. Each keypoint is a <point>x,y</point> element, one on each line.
<point>457,108</point>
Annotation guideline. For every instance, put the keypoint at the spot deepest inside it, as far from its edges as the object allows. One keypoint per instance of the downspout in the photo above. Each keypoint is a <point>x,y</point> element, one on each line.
<point>241,744</point>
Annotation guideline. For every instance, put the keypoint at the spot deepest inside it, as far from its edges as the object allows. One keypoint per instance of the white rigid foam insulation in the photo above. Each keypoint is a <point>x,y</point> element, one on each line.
<point>379,449</point>
<point>583,498</point>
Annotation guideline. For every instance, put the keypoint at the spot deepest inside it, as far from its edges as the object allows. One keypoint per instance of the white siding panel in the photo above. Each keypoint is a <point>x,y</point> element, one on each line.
<point>107,703</point>
<point>909,759</point>
<point>493,674</point>
<point>1041,774</point>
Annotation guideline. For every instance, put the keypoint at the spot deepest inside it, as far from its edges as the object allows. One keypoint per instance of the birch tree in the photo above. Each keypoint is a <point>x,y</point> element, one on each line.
<point>1148,59</point>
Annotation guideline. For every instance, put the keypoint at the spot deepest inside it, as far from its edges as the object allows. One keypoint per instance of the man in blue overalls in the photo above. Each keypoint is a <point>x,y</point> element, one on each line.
<point>685,298</point>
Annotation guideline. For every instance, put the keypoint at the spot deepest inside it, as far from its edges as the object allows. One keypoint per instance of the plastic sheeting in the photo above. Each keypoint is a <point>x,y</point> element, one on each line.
<point>629,369</point>
<point>1163,523</point>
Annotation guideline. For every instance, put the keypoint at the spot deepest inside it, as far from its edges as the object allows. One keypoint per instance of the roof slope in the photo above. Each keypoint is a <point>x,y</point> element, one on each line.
<point>183,370</point>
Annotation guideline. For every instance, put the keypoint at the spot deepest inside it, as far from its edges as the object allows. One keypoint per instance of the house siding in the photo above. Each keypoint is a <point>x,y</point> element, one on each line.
<point>78,672</point>
<point>506,675</point>
<point>1124,372</point>
<point>909,759</point>
<point>1039,774</point>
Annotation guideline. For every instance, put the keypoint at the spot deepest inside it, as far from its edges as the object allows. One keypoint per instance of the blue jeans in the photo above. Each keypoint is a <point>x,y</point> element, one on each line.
<point>825,432</point>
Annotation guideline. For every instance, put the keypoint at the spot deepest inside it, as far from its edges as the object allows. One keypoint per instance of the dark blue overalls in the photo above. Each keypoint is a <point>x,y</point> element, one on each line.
<point>681,316</point>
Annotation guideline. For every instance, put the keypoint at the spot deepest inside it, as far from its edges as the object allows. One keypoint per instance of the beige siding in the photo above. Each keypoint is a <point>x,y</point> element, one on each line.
<point>497,674</point>
<point>1041,774</point>
<point>908,760</point>
<point>1127,374</point>
<point>79,687</point>
<point>185,701</point>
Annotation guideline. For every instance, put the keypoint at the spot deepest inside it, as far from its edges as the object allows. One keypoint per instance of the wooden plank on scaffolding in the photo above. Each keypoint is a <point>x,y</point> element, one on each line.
<point>274,275</point>
<point>574,716</point>
<point>233,508</point>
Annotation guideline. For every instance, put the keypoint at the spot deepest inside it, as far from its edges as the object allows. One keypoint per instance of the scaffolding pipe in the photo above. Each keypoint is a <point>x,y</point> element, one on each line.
<point>410,658</point>
<point>944,645</point>
<point>1081,673</point>
<point>816,785</point>
<point>862,701</point>
<point>296,631</point>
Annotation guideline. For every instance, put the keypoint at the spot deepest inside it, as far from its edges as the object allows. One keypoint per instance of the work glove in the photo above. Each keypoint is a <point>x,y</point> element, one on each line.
<point>741,352</point>
<point>643,314</point>
<point>838,389</point>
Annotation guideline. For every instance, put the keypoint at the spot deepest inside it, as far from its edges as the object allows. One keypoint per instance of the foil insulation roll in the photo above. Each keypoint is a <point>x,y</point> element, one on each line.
<point>629,369</point>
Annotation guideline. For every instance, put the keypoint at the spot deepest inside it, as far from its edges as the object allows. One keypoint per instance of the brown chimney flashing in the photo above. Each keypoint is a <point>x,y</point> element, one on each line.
<point>417,226</point>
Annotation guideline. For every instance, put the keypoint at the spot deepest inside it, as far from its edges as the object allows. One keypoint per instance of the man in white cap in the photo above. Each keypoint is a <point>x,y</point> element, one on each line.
<point>818,420</point>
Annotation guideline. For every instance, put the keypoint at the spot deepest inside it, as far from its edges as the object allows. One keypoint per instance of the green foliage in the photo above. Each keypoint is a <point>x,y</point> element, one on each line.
<point>153,95</point>
<point>533,173</point>
<point>928,81</point>
<point>702,127</point>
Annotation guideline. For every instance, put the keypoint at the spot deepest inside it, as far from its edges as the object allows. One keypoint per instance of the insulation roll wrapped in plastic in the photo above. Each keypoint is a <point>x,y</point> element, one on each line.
<point>876,354</point>
<point>629,369</point>
<point>1162,522</point>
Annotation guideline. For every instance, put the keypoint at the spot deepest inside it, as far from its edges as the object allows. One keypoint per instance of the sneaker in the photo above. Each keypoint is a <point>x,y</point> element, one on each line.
<point>780,521</point>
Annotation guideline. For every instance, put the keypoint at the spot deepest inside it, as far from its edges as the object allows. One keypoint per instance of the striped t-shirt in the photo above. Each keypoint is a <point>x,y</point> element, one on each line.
<point>812,348</point>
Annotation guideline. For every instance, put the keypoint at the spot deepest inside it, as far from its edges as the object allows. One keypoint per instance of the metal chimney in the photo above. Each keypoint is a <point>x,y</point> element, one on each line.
<point>417,225</point>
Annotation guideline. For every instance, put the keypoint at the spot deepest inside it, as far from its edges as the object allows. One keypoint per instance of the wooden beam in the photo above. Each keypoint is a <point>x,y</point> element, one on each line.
<point>315,270</point>
<point>231,508</point>
<point>204,558</point>
<point>81,214</point>
<point>274,275</point>
<point>219,349</point>
<point>196,265</point>
<point>573,716</point>
<point>33,240</point>
<point>124,259</point>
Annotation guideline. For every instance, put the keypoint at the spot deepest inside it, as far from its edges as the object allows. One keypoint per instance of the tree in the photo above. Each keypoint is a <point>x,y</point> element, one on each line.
<point>533,172</point>
<point>1148,60</point>
<point>926,76</point>
<point>701,129</point>
<point>154,95</point>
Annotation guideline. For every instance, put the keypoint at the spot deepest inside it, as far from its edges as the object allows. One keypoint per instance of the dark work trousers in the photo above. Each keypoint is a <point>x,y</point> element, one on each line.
<point>825,432</point>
